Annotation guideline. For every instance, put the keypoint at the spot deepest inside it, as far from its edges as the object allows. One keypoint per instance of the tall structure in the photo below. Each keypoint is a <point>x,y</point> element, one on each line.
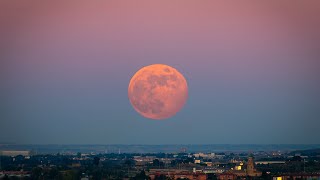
<point>238,172</point>
<point>251,171</point>
<point>250,165</point>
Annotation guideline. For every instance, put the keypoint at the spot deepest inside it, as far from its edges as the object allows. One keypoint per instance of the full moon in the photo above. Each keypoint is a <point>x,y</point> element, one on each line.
<point>158,91</point>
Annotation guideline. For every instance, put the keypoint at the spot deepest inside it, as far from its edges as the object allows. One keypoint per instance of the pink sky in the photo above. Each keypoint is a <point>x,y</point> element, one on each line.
<point>229,51</point>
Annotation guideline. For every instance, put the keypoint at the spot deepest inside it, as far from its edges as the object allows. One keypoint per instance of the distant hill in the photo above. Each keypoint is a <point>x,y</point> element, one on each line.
<point>64,148</point>
<point>308,152</point>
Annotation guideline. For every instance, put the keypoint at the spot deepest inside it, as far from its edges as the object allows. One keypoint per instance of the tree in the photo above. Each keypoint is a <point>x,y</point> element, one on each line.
<point>212,176</point>
<point>54,173</point>
<point>129,163</point>
<point>160,177</point>
<point>6,177</point>
<point>173,163</point>
<point>97,173</point>
<point>70,175</point>
<point>36,173</point>
<point>141,176</point>
<point>96,161</point>
<point>156,162</point>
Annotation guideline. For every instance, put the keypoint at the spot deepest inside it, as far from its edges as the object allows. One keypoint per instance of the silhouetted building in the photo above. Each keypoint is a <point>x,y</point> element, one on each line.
<point>15,153</point>
<point>227,176</point>
<point>251,171</point>
<point>239,172</point>
<point>296,176</point>
<point>176,174</point>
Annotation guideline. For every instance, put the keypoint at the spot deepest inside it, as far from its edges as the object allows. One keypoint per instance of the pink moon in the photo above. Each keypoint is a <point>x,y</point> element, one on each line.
<point>158,91</point>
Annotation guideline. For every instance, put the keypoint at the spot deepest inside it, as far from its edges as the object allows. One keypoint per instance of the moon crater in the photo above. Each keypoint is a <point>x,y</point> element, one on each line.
<point>158,91</point>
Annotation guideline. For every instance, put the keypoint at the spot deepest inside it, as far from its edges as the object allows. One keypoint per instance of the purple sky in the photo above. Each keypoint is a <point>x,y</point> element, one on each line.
<point>252,70</point>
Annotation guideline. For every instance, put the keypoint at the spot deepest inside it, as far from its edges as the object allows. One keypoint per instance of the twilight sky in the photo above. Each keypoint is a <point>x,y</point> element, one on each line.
<point>252,68</point>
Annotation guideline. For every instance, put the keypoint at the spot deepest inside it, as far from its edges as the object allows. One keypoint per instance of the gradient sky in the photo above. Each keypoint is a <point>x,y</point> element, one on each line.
<point>252,68</point>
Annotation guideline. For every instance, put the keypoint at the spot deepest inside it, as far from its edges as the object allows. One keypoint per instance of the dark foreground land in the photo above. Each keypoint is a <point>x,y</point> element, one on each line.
<point>160,162</point>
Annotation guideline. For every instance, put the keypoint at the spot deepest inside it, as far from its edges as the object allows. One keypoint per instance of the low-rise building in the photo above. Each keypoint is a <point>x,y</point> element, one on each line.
<point>297,176</point>
<point>177,174</point>
<point>14,153</point>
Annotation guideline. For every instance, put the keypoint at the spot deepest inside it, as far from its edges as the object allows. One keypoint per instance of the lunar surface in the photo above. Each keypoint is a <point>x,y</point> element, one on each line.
<point>158,91</point>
